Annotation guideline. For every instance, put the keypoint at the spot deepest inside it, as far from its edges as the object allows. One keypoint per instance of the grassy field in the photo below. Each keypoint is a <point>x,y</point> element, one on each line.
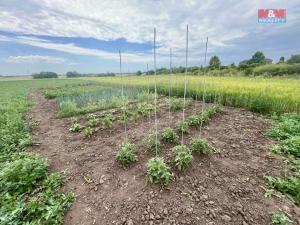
<point>262,95</point>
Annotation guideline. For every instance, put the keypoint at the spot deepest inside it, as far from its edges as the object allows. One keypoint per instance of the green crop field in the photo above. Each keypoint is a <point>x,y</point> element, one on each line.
<point>262,95</point>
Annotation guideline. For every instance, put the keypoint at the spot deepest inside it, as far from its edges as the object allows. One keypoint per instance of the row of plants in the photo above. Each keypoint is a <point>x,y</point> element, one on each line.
<point>287,131</point>
<point>157,169</point>
<point>83,99</point>
<point>142,110</point>
<point>199,119</point>
<point>29,193</point>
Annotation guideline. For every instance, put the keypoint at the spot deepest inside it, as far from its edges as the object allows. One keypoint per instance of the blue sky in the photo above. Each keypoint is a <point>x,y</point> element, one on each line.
<point>86,35</point>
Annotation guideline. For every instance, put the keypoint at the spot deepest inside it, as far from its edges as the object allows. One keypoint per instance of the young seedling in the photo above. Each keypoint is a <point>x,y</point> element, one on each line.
<point>183,126</point>
<point>126,154</point>
<point>194,121</point>
<point>108,120</point>
<point>92,120</point>
<point>201,146</point>
<point>279,218</point>
<point>88,132</point>
<point>136,116</point>
<point>144,109</point>
<point>150,141</point>
<point>158,171</point>
<point>75,127</point>
<point>175,104</point>
<point>183,156</point>
<point>124,114</point>
<point>169,135</point>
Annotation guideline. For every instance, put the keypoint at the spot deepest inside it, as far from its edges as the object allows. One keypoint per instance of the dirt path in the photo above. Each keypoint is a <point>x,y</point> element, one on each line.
<point>223,188</point>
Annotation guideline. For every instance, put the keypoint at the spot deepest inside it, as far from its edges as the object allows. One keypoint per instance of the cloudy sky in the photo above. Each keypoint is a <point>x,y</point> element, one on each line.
<point>86,35</point>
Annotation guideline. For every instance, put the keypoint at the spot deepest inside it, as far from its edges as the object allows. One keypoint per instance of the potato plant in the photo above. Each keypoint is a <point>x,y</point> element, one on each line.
<point>75,127</point>
<point>169,135</point>
<point>126,154</point>
<point>108,120</point>
<point>92,120</point>
<point>150,141</point>
<point>201,146</point>
<point>124,114</point>
<point>158,171</point>
<point>88,132</point>
<point>279,218</point>
<point>175,104</point>
<point>183,159</point>
<point>183,126</point>
<point>144,109</point>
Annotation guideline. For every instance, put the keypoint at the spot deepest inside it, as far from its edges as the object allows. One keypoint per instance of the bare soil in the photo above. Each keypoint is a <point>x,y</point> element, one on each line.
<point>227,187</point>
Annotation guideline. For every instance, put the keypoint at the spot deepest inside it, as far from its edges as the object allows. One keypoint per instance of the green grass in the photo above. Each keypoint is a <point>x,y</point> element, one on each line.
<point>29,194</point>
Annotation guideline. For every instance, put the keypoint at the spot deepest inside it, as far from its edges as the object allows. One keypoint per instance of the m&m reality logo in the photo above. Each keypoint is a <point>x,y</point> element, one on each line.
<point>272,16</point>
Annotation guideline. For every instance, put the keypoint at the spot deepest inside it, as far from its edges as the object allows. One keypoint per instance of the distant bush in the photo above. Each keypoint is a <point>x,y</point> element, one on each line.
<point>277,69</point>
<point>73,74</point>
<point>44,75</point>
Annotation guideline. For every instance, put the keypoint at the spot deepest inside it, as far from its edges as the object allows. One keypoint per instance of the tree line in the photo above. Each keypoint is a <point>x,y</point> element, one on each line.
<point>248,67</point>
<point>70,74</point>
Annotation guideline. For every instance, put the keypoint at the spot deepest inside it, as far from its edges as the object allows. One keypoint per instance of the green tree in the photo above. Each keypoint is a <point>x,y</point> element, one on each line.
<point>44,75</point>
<point>281,60</point>
<point>232,65</point>
<point>214,62</point>
<point>139,73</point>
<point>258,58</point>
<point>294,59</point>
<point>73,74</point>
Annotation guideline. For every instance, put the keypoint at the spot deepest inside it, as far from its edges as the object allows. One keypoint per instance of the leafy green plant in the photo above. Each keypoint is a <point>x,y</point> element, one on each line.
<point>289,185</point>
<point>169,135</point>
<point>194,120</point>
<point>183,126</point>
<point>126,154</point>
<point>183,156</point>
<point>177,103</point>
<point>22,175</point>
<point>279,218</point>
<point>150,141</point>
<point>136,116</point>
<point>144,109</point>
<point>287,125</point>
<point>291,146</point>
<point>88,132</point>
<point>124,114</point>
<point>201,146</point>
<point>92,120</point>
<point>108,120</point>
<point>158,171</point>
<point>75,127</point>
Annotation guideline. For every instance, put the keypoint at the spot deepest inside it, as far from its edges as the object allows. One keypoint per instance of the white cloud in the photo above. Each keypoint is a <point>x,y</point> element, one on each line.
<point>73,49</point>
<point>35,59</point>
<point>223,22</point>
